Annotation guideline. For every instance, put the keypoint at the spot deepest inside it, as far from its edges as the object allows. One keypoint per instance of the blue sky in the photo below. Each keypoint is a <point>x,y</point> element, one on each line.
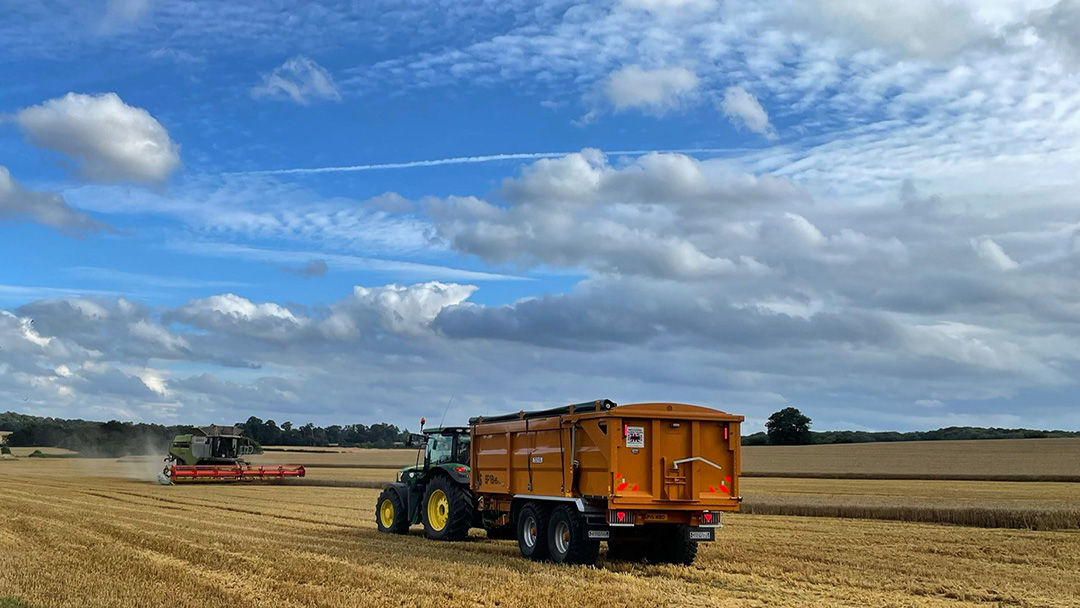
<point>348,211</point>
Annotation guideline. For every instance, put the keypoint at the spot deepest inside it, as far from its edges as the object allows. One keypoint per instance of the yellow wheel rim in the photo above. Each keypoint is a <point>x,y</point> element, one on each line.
<point>438,510</point>
<point>386,513</point>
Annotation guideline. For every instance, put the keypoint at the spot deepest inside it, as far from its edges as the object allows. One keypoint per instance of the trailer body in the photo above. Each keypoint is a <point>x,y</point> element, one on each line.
<point>629,470</point>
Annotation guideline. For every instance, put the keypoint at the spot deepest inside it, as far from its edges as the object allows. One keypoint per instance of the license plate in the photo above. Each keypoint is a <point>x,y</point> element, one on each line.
<point>602,534</point>
<point>701,535</point>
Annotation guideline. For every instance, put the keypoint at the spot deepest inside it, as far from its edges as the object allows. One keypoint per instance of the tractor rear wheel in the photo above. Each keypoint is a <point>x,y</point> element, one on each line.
<point>568,540</point>
<point>532,524</point>
<point>390,513</point>
<point>447,510</point>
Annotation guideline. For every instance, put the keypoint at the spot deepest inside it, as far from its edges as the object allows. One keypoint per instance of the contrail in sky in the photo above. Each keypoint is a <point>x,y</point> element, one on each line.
<point>468,160</point>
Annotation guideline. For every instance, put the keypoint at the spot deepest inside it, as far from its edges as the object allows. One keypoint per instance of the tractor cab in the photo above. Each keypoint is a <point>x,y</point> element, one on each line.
<point>448,445</point>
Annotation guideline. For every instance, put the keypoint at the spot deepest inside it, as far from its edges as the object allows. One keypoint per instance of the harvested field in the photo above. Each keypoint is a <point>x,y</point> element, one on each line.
<point>340,457</point>
<point>986,459</point>
<point>78,541</point>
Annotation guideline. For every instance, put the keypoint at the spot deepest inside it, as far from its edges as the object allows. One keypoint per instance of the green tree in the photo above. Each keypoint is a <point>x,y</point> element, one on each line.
<point>789,426</point>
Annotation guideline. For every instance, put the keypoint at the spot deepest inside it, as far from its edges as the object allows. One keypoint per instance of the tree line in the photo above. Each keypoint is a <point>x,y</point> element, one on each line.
<point>115,438</point>
<point>380,435</point>
<point>790,426</point>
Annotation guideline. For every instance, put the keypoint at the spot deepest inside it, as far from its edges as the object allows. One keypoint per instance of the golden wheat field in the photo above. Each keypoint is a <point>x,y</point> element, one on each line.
<point>92,533</point>
<point>989,458</point>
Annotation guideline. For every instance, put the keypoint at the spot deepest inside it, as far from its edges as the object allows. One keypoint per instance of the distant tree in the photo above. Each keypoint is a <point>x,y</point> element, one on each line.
<point>789,426</point>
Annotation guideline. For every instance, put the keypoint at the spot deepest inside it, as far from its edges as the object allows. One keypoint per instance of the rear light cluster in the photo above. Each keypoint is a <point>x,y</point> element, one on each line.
<point>710,519</point>
<point>620,517</point>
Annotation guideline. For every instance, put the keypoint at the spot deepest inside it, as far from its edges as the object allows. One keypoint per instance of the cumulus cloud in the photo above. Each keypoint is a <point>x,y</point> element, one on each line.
<point>648,218</point>
<point>110,140</point>
<point>300,80</point>
<point>654,91</point>
<point>47,208</point>
<point>233,314</point>
<point>993,254</point>
<point>744,110</point>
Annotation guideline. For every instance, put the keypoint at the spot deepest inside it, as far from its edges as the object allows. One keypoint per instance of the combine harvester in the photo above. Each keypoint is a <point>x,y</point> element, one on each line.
<point>216,454</point>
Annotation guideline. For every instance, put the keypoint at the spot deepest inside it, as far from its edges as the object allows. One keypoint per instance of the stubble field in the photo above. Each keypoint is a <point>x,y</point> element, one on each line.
<point>95,533</point>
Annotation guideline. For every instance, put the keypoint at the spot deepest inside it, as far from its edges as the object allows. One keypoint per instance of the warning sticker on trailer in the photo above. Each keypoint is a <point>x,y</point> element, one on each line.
<point>635,436</point>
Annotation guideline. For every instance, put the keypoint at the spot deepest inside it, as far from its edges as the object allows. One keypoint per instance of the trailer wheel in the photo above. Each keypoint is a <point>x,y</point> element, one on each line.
<point>626,550</point>
<point>390,513</point>
<point>673,547</point>
<point>532,534</point>
<point>447,510</point>
<point>567,539</point>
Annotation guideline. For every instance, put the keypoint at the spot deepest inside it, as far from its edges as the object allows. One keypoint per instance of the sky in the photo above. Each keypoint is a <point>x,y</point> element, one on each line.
<point>359,212</point>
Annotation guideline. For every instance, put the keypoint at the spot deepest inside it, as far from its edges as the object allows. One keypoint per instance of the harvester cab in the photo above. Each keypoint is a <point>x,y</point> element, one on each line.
<point>425,493</point>
<point>216,453</point>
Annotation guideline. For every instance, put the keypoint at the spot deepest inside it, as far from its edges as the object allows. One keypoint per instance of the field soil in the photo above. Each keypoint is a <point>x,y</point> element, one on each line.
<point>91,533</point>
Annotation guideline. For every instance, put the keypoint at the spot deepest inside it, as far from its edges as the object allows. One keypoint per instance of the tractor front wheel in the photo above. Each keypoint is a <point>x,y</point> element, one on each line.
<point>447,510</point>
<point>390,513</point>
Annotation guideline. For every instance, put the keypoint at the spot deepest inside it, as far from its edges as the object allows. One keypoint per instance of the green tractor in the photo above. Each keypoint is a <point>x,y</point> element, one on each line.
<point>435,493</point>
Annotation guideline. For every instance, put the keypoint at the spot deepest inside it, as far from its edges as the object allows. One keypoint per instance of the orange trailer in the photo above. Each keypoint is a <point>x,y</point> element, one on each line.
<point>651,479</point>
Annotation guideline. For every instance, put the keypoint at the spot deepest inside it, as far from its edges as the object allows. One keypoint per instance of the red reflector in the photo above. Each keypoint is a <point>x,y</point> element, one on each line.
<point>625,430</point>
<point>725,490</point>
<point>634,488</point>
<point>708,518</point>
<point>725,433</point>
<point>620,516</point>
<point>622,486</point>
<point>460,469</point>
<point>712,489</point>
<point>727,479</point>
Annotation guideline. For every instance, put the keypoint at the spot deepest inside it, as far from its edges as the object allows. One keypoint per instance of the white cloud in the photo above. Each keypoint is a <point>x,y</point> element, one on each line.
<point>993,254</point>
<point>47,208</point>
<point>121,13</point>
<point>655,91</point>
<point>655,217</point>
<point>922,28</point>
<point>299,79</point>
<point>661,6</point>
<point>111,140</point>
<point>744,110</point>
<point>403,309</point>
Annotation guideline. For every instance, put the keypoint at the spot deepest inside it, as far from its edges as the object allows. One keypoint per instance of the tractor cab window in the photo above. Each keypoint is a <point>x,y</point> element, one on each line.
<point>440,449</point>
<point>461,449</point>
